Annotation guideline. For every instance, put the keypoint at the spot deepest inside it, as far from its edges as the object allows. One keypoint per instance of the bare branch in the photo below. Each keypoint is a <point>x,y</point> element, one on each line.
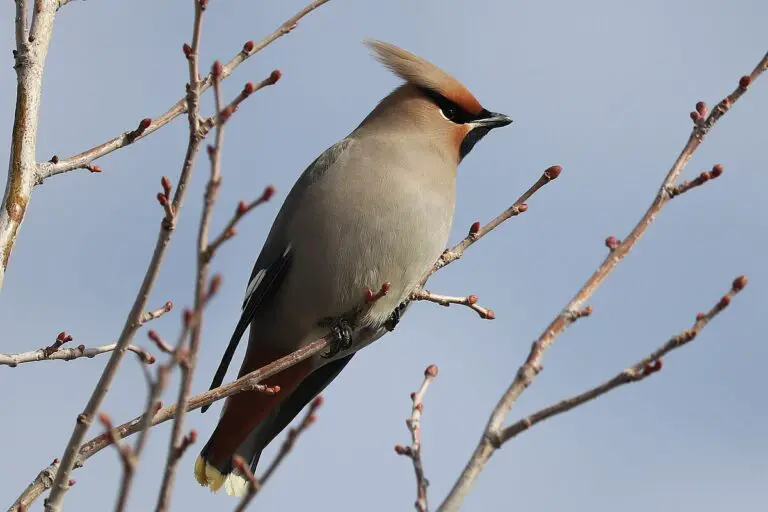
<point>22,31</point>
<point>531,367</point>
<point>254,486</point>
<point>134,320</point>
<point>151,315</point>
<point>414,450</point>
<point>22,170</point>
<point>36,488</point>
<point>445,300</point>
<point>250,48</point>
<point>476,232</point>
<point>177,445</point>
<point>68,354</point>
<point>241,211</point>
<point>223,113</point>
<point>637,372</point>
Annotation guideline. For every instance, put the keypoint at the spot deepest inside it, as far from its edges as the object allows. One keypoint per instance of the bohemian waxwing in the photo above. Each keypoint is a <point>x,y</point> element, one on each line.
<point>375,207</point>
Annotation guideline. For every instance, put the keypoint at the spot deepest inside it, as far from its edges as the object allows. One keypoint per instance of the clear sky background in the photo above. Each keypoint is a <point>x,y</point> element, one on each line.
<point>602,88</point>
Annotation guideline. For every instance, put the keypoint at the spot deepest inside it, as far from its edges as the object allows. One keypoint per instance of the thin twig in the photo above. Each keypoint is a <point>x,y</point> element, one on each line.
<point>81,160</point>
<point>176,444</point>
<point>22,31</point>
<point>36,488</point>
<point>133,322</point>
<point>291,437</point>
<point>256,484</point>
<point>637,372</point>
<point>151,315</point>
<point>531,367</point>
<point>68,354</point>
<point>223,113</point>
<point>414,450</point>
<point>476,232</point>
<point>241,211</point>
<point>446,300</point>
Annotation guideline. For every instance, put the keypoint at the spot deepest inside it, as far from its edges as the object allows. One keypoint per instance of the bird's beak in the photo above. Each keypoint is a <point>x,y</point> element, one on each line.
<point>493,120</point>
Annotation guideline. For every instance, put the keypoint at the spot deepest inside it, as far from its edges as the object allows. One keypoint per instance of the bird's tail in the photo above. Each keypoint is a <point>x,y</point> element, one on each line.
<point>217,471</point>
<point>245,419</point>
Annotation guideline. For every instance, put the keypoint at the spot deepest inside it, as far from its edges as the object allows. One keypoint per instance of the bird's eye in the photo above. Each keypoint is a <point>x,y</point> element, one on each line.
<point>450,112</point>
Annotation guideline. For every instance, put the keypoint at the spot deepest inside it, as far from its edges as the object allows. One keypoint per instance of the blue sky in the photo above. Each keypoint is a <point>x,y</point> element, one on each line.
<point>602,88</point>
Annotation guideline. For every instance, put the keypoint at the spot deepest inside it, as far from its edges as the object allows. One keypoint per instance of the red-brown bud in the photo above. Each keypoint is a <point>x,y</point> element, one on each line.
<point>248,47</point>
<point>695,117</point>
<point>472,299</point>
<point>724,301</point>
<point>168,306</point>
<point>268,193</point>
<point>522,208</point>
<point>717,170</point>
<point>702,109</point>
<point>431,371</point>
<point>144,124</point>
<point>274,76</point>
<point>162,199</point>
<point>217,69</point>
<point>490,315</point>
<point>248,89</point>
<point>474,228</point>
<point>165,182</point>
<point>744,82</point>
<point>612,243</point>
<point>318,401</point>
<point>187,50</point>
<point>553,172</point>
<point>739,283</point>
<point>242,208</point>
<point>214,285</point>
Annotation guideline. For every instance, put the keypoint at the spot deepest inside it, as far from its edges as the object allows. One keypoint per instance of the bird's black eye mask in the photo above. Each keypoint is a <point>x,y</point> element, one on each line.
<point>452,111</point>
<point>458,115</point>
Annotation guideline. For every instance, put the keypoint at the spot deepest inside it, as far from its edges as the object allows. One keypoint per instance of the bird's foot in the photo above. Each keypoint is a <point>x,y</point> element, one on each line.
<point>395,317</point>
<point>341,330</point>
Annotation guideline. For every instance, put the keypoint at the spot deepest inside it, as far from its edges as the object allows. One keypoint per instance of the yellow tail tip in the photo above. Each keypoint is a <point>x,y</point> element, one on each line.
<point>206,474</point>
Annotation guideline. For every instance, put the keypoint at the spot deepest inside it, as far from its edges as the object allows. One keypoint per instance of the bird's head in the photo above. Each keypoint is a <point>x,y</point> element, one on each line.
<point>433,102</point>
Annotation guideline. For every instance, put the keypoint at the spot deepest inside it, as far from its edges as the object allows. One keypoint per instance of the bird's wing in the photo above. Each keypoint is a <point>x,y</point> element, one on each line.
<point>265,281</point>
<point>270,271</point>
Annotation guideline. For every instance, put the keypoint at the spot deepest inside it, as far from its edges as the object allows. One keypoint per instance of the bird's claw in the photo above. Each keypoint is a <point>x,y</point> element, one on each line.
<point>395,317</point>
<point>341,330</point>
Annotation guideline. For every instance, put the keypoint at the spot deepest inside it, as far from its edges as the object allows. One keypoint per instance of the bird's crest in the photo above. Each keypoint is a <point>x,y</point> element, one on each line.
<point>422,73</point>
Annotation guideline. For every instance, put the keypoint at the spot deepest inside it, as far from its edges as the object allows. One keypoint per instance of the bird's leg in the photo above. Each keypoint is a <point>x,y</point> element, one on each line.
<point>395,317</point>
<point>341,330</point>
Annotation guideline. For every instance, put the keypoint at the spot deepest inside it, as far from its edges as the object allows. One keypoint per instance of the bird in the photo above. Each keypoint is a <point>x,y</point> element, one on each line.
<point>376,207</point>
